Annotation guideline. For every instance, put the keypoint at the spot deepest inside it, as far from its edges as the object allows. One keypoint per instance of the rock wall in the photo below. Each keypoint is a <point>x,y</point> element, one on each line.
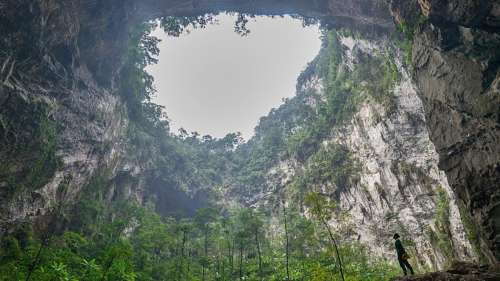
<point>399,186</point>
<point>60,124</point>
<point>469,141</point>
<point>67,55</point>
<point>400,181</point>
<point>456,69</point>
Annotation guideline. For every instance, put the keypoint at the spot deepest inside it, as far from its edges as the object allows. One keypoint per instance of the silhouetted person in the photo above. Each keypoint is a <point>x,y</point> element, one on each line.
<point>402,255</point>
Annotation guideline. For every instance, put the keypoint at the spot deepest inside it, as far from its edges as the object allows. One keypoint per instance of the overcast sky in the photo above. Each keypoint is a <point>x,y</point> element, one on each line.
<point>214,81</point>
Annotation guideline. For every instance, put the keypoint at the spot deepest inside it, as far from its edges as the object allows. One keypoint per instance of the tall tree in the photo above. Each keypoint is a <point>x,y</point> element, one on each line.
<point>241,237</point>
<point>204,218</point>
<point>321,208</point>
<point>254,225</point>
<point>287,242</point>
<point>302,230</point>
<point>185,227</point>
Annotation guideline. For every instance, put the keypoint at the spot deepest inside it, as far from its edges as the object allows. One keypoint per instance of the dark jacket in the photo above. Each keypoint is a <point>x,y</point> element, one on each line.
<point>399,248</point>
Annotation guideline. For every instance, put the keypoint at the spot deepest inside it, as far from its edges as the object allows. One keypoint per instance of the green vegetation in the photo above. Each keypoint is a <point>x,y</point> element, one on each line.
<point>442,236</point>
<point>135,243</point>
<point>30,135</point>
<point>408,30</point>
<point>322,210</point>
<point>46,161</point>
<point>178,160</point>
<point>472,231</point>
<point>107,238</point>
<point>175,26</point>
<point>345,89</point>
<point>332,166</point>
<point>136,85</point>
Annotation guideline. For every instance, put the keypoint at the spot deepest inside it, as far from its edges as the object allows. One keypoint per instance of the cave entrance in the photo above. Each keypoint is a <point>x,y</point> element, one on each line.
<point>369,16</point>
<point>224,77</point>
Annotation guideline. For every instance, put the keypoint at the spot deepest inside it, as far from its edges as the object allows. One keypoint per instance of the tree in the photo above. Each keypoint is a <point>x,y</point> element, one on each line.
<point>204,218</point>
<point>227,231</point>
<point>302,238</point>
<point>287,248</point>
<point>256,224</point>
<point>321,208</point>
<point>117,262</point>
<point>185,227</point>
<point>250,228</point>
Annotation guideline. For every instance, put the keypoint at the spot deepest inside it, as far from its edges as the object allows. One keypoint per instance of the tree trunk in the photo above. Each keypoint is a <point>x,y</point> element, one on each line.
<point>223,270</point>
<point>259,253</point>
<point>188,266</point>
<point>287,244</point>
<point>206,254</point>
<point>35,261</point>
<point>216,268</point>
<point>183,248</point>
<point>51,229</point>
<point>303,255</point>
<point>231,260</point>
<point>339,260</point>
<point>241,259</point>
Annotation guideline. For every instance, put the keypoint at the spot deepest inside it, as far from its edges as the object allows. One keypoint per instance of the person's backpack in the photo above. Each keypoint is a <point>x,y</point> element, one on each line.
<point>405,256</point>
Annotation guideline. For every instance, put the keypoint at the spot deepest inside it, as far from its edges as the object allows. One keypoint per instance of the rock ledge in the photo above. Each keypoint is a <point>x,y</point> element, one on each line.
<point>459,271</point>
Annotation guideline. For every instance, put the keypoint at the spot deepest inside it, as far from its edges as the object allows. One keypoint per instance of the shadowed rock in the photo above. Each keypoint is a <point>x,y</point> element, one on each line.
<point>81,44</point>
<point>459,271</point>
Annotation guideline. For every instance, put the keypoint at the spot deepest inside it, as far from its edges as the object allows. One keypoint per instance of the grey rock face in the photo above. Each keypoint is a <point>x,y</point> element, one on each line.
<point>457,73</point>
<point>455,55</point>
<point>399,186</point>
<point>53,111</point>
<point>89,138</point>
<point>456,69</point>
<point>468,13</point>
<point>400,179</point>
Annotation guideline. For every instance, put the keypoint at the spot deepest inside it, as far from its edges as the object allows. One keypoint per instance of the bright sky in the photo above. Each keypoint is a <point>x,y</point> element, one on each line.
<point>214,81</point>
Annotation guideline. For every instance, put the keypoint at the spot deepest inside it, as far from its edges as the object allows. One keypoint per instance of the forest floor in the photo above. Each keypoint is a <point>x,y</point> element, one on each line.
<point>459,271</point>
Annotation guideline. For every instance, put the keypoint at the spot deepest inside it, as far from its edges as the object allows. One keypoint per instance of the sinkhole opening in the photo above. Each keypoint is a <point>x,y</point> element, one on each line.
<point>214,81</point>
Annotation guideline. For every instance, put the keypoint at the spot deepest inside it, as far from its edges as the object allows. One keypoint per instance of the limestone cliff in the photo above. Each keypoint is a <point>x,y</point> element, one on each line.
<point>64,120</point>
<point>455,56</point>
<point>398,186</point>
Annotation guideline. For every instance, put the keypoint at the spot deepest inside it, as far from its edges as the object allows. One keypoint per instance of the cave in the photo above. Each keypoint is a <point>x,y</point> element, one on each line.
<point>64,130</point>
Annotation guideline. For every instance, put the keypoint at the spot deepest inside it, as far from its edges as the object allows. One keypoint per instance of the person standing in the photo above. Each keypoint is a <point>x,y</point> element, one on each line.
<point>402,255</point>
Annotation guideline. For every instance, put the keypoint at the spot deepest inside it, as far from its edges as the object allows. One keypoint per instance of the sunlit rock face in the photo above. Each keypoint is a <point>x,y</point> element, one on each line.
<point>70,57</point>
<point>400,179</point>
<point>399,186</point>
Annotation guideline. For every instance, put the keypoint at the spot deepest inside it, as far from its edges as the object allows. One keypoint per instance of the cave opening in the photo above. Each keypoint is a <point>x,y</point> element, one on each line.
<point>388,132</point>
<point>372,19</point>
<point>216,80</point>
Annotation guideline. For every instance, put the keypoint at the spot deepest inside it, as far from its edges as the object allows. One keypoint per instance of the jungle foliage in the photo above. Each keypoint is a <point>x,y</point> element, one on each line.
<point>118,240</point>
<point>135,243</point>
